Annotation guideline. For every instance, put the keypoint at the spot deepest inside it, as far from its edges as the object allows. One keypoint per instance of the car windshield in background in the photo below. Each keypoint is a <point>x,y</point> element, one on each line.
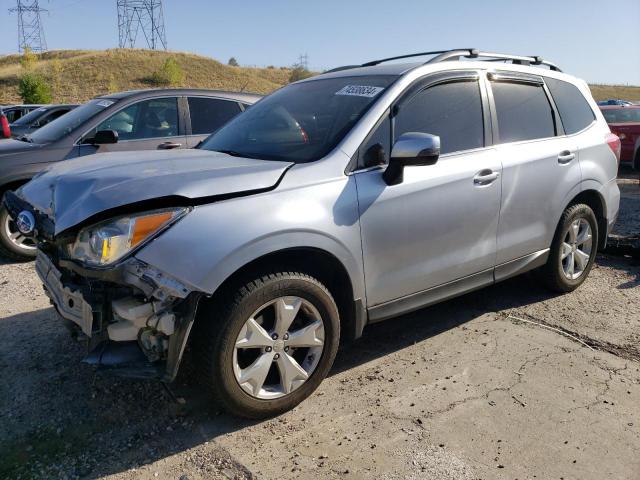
<point>622,115</point>
<point>66,124</point>
<point>31,116</point>
<point>301,122</point>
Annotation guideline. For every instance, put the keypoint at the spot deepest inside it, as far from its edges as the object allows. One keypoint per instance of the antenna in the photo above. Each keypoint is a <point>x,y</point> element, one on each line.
<point>30,30</point>
<point>141,16</point>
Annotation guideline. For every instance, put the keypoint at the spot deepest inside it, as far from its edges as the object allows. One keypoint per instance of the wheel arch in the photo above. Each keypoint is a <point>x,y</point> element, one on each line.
<point>319,263</point>
<point>596,202</point>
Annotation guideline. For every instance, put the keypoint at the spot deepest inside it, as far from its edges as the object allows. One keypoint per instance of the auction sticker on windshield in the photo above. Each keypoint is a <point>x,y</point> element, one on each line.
<point>359,91</point>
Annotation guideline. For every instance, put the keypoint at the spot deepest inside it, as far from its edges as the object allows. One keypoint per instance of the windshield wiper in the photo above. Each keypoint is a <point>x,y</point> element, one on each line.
<point>233,153</point>
<point>25,138</point>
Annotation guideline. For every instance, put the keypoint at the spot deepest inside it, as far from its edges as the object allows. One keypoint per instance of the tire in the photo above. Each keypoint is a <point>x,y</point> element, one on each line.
<point>557,274</point>
<point>8,248</point>
<point>220,361</point>
<point>636,161</point>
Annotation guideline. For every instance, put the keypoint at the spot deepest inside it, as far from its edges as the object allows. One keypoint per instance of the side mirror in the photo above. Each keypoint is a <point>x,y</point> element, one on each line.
<point>411,149</point>
<point>104,137</point>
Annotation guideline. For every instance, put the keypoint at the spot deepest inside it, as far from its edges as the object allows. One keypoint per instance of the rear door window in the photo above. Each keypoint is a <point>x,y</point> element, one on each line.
<point>209,114</point>
<point>523,111</point>
<point>453,111</point>
<point>575,112</point>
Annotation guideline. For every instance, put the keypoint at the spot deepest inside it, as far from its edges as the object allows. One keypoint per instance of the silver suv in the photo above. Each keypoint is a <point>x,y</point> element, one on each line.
<point>335,202</point>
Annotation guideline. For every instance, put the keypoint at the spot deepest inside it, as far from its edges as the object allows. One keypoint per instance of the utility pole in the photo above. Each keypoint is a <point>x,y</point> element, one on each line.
<point>141,16</point>
<point>30,29</point>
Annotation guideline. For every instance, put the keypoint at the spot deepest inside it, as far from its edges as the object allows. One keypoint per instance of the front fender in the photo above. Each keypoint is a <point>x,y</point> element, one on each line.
<point>216,240</point>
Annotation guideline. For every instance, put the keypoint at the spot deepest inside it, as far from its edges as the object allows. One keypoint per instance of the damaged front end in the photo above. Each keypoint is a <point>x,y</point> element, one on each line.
<point>135,318</point>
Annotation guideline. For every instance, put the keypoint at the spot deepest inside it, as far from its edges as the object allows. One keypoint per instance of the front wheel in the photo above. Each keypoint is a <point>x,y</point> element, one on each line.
<point>14,245</point>
<point>266,345</point>
<point>573,250</point>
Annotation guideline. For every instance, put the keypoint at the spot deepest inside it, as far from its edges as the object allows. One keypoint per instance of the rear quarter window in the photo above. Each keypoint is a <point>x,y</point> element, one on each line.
<point>575,112</point>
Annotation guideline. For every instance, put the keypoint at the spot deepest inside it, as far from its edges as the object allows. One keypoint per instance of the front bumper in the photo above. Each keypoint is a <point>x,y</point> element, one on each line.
<point>69,302</point>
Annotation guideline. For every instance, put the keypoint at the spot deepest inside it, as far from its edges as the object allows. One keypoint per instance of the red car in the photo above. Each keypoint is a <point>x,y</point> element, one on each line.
<point>624,121</point>
<point>5,131</point>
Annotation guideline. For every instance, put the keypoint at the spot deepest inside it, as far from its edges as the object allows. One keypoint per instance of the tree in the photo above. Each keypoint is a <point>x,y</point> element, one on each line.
<point>28,60</point>
<point>34,88</point>
<point>233,62</point>
<point>170,74</point>
<point>299,72</point>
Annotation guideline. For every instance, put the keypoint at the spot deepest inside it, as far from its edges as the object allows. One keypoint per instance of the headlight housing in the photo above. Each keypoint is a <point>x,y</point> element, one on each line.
<point>107,242</point>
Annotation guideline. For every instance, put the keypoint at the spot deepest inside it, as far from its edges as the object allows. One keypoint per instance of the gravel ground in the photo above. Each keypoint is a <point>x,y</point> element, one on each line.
<point>469,388</point>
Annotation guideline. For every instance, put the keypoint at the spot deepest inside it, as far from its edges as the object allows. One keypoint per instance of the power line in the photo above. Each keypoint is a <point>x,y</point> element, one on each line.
<point>143,17</point>
<point>30,28</point>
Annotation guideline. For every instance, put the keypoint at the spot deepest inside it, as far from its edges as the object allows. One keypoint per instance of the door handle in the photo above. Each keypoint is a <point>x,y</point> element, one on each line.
<point>485,177</point>
<point>565,157</point>
<point>169,145</point>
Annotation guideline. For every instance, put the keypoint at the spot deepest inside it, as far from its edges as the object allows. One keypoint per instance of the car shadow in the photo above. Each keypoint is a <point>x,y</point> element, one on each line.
<point>103,425</point>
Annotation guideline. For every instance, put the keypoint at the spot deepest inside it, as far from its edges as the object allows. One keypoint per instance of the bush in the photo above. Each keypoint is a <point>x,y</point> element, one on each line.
<point>28,60</point>
<point>169,75</point>
<point>34,88</point>
<point>233,62</point>
<point>299,73</point>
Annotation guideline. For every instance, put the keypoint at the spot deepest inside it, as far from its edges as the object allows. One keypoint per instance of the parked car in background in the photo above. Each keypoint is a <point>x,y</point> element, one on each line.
<point>338,201</point>
<point>136,120</point>
<point>624,121</point>
<point>614,102</point>
<point>5,130</point>
<point>38,118</point>
<point>14,112</point>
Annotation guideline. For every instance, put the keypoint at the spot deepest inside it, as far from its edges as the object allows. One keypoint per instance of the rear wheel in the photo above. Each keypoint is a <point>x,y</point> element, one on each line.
<point>573,250</point>
<point>14,245</point>
<point>267,345</point>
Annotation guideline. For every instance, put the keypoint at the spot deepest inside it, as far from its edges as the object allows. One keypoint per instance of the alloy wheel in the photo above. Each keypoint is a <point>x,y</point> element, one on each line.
<point>278,348</point>
<point>576,249</point>
<point>20,241</point>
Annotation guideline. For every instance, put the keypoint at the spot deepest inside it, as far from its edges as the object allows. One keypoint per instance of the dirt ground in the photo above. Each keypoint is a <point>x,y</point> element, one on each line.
<point>469,388</point>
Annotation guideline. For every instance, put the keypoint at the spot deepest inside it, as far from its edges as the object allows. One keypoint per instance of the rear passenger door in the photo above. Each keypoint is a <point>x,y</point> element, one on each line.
<point>150,124</point>
<point>540,166</point>
<point>206,115</point>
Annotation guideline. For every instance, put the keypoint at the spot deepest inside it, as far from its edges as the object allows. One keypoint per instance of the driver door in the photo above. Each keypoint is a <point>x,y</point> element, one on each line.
<point>146,125</point>
<point>433,234</point>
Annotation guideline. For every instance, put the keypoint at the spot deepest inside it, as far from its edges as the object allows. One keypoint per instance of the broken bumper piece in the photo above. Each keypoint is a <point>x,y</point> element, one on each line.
<point>136,321</point>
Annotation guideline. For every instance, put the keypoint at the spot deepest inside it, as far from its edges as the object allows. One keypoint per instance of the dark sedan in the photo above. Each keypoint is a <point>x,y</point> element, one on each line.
<point>38,118</point>
<point>136,120</point>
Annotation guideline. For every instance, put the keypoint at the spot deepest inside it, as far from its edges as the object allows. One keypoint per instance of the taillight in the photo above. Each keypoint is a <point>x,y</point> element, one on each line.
<point>614,144</point>
<point>6,131</point>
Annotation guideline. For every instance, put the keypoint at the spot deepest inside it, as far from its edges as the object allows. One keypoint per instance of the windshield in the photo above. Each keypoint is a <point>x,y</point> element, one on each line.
<point>67,123</point>
<point>30,117</point>
<point>301,122</point>
<point>622,115</point>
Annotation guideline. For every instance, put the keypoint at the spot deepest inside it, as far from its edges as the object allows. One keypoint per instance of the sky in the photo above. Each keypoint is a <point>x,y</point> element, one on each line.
<point>592,39</point>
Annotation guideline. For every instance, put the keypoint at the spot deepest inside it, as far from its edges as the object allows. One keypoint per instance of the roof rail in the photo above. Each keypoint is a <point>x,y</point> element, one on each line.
<point>457,54</point>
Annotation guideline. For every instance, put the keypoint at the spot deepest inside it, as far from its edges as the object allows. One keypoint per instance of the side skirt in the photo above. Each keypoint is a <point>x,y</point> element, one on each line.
<point>458,287</point>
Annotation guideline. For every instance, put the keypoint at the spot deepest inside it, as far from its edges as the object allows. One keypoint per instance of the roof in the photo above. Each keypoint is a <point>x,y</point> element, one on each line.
<point>159,92</point>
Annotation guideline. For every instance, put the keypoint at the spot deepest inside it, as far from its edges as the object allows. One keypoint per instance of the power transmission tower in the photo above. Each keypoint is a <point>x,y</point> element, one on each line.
<point>303,61</point>
<point>30,29</point>
<point>141,16</point>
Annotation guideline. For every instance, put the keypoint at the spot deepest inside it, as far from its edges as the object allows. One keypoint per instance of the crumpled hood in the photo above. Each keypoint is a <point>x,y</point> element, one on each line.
<point>75,190</point>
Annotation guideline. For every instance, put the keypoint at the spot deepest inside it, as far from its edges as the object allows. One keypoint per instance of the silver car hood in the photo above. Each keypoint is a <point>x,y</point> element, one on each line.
<point>72,191</point>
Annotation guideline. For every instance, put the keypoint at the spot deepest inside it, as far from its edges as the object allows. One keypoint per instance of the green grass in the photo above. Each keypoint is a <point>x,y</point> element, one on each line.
<point>78,75</point>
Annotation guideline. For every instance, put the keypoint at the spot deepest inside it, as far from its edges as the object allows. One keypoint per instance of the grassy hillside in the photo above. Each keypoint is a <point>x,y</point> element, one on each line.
<point>78,75</point>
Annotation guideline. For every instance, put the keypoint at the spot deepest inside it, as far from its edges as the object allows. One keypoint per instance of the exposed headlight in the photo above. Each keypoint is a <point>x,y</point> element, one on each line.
<point>107,242</point>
